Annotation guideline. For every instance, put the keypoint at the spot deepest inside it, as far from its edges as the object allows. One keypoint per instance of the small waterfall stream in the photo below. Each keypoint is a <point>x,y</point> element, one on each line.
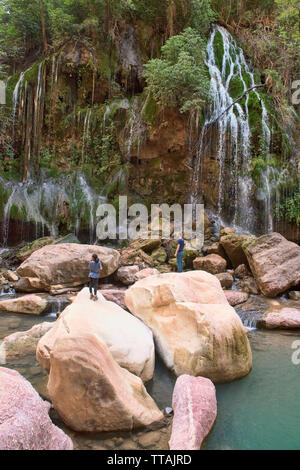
<point>48,203</point>
<point>234,134</point>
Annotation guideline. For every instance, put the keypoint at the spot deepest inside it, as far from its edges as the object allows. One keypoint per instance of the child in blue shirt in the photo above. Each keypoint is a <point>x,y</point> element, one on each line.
<point>95,266</point>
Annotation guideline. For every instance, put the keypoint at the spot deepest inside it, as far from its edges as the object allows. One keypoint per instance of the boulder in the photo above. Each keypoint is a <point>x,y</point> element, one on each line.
<point>92,393</point>
<point>126,274</point>
<point>285,319</point>
<point>159,256</point>
<point>195,411</point>
<point>29,304</point>
<point>27,250</point>
<point>249,285</point>
<point>24,342</point>
<point>275,263</point>
<point>196,330</point>
<point>235,297</point>
<point>214,249</point>
<point>233,246</point>
<point>114,295</point>
<point>128,339</point>
<point>11,276</point>
<point>24,419</point>
<point>226,280</point>
<point>64,265</point>
<point>242,271</point>
<point>213,264</point>
<point>146,273</point>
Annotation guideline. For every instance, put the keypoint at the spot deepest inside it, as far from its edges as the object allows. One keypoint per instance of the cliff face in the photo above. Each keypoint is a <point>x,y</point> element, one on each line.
<point>84,108</point>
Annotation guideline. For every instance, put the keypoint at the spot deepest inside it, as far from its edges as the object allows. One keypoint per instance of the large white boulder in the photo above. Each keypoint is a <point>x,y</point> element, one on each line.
<point>197,332</point>
<point>128,339</point>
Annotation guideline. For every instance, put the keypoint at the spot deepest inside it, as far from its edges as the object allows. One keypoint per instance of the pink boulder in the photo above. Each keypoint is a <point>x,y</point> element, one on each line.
<point>235,297</point>
<point>195,411</point>
<point>24,419</point>
<point>287,318</point>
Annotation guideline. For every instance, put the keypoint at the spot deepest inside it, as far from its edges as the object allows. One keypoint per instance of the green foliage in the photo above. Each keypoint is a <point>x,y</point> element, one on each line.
<point>289,209</point>
<point>180,78</point>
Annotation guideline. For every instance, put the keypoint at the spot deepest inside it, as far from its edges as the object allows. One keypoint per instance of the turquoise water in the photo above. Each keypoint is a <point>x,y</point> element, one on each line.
<point>261,411</point>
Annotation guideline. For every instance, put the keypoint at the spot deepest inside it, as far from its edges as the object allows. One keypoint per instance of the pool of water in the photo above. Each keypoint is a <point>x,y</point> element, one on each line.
<point>260,411</point>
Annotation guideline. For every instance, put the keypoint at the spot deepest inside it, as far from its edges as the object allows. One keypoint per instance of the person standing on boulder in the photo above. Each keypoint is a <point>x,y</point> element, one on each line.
<point>179,255</point>
<point>95,266</point>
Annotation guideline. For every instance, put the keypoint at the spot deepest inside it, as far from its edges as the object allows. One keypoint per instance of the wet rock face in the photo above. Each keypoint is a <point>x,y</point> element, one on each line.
<point>24,420</point>
<point>195,329</point>
<point>195,411</point>
<point>65,265</point>
<point>275,264</point>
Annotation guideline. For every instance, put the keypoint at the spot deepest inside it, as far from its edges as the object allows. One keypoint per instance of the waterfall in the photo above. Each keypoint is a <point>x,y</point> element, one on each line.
<point>232,122</point>
<point>48,203</point>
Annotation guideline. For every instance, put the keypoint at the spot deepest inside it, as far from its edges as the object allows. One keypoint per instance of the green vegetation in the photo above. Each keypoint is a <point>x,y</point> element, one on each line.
<point>180,78</point>
<point>289,209</point>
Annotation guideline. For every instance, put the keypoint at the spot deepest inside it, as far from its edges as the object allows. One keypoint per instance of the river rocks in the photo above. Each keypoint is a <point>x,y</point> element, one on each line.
<point>294,295</point>
<point>233,246</point>
<point>249,285</point>
<point>28,304</point>
<point>114,295</point>
<point>11,276</point>
<point>275,263</point>
<point>235,297</point>
<point>126,274</point>
<point>195,411</point>
<point>213,264</point>
<point>196,331</point>
<point>128,339</point>
<point>286,318</point>
<point>226,280</point>
<point>159,256</point>
<point>64,265</point>
<point>242,271</point>
<point>146,273</point>
<point>24,420</point>
<point>24,342</point>
<point>91,392</point>
<point>214,249</point>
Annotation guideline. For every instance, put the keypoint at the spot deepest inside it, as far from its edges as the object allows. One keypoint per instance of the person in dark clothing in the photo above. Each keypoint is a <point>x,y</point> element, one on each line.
<point>179,255</point>
<point>95,266</point>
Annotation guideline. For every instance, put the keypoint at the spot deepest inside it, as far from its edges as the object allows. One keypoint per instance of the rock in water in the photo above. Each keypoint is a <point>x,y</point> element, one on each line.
<point>235,297</point>
<point>24,420</point>
<point>28,304</point>
<point>195,411</point>
<point>24,342</point>
<point>65,265</point>
<point>91,392</point>
<point>128,339</point>
<point>197,332</point>
<point>213,264</point>
<point>285,319</point>
<point>275,263</point>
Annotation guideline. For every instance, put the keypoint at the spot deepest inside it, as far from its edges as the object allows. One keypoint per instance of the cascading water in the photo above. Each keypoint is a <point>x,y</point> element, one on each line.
<point>48,203</point>
<point>232,121</point>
